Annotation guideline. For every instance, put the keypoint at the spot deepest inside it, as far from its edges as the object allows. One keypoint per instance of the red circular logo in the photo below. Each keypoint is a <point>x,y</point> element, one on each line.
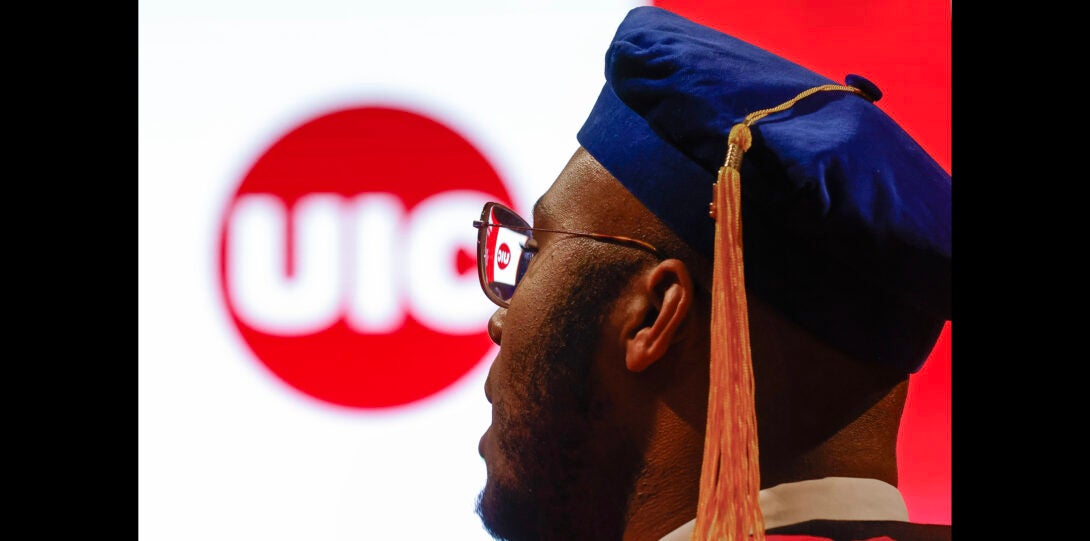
<point>347,257</point>
<point>503,256</point>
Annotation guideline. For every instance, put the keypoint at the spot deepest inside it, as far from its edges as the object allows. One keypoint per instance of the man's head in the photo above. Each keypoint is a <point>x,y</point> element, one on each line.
<point>600,389</point>
<point>571,426</point>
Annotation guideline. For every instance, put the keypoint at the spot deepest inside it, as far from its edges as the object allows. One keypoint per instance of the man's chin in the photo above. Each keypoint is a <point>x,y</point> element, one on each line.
<point>504,514</point>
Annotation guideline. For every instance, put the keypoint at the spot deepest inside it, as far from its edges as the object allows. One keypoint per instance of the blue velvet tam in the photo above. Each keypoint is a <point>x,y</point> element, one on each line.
<point>846,220</point>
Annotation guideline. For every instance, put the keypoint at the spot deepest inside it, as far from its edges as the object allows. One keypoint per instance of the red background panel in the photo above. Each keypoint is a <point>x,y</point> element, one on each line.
<point>904,47</point>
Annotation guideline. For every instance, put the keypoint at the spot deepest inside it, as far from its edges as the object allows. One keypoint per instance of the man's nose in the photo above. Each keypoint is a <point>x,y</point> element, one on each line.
<point>495,325</point>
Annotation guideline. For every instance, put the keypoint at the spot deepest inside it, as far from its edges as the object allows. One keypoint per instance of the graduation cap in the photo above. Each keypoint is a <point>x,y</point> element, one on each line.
<point>835,216</point>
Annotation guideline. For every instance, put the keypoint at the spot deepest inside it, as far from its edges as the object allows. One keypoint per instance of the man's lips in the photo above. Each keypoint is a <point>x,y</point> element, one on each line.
<point>481,444</point>
<point>488,397</point>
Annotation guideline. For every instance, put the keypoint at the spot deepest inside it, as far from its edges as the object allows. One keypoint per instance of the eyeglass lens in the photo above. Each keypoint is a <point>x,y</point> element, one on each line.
<point>503,260</point>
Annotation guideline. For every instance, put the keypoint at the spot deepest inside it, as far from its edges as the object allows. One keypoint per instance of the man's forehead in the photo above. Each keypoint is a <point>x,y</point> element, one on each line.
<point>581,192</point>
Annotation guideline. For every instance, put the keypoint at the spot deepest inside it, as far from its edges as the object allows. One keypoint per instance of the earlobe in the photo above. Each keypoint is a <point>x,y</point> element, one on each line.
<point>670,292</point>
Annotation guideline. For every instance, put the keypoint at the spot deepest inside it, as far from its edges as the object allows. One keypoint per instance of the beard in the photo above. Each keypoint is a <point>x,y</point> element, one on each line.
<point>568,484</point>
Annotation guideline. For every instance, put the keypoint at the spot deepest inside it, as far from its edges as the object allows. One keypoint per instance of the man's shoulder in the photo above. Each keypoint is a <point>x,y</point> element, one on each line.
<point>859,530</point>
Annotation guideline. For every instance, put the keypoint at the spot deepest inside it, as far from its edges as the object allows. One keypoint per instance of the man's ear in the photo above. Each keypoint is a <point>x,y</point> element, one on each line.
<point>669,291</point>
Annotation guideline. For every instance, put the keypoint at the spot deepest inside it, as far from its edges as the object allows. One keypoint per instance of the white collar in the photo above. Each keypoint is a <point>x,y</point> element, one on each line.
<point>829,498</point>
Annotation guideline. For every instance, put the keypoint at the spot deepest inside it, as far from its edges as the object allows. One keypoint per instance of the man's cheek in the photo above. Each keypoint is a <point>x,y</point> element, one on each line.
<point>513,439</point>
<point>549,267</point>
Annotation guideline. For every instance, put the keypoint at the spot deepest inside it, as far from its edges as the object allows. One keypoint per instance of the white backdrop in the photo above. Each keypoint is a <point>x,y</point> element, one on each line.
<point>227,451</point>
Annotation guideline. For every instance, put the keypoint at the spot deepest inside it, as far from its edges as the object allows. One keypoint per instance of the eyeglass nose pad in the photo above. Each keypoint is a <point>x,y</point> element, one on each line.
<point>495,325</point>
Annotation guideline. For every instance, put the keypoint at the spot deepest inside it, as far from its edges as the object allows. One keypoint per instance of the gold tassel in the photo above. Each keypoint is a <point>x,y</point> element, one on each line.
<point>730,478</point>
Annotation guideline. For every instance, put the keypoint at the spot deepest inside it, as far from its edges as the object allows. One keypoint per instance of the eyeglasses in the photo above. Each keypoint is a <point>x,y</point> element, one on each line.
<point>503,255</point>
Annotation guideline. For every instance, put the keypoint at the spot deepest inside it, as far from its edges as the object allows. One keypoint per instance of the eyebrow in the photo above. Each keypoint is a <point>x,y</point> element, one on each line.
<point>540,208</point>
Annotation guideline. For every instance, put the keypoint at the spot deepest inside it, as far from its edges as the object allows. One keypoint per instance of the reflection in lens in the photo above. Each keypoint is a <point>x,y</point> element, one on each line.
<point>503,258</point>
